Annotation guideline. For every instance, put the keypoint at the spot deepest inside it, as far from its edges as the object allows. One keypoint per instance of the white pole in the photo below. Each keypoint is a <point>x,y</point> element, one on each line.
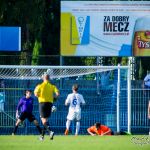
<point>129,100</point>
<point>61,64</point>
<point>97,77</point>
<point>118,98</point>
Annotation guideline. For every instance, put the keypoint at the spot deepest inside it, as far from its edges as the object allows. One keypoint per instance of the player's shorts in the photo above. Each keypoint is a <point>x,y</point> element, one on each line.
<point>26,115</point>
<point>72,115</point>
<point>45,109</point>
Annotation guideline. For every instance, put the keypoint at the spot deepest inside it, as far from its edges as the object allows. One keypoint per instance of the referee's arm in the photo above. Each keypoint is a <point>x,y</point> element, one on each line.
<point>56,91</point>
<point>56,96</point>
<point>37,91</point>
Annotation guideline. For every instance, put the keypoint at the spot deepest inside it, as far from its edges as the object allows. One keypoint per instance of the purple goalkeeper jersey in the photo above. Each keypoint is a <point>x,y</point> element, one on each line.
<point>25,105</point>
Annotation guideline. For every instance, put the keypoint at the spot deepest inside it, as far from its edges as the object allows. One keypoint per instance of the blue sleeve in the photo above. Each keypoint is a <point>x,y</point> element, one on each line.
<point>19,104</point>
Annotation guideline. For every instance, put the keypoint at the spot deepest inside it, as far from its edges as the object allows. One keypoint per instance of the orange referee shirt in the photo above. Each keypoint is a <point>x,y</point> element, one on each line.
<point>100,131</point>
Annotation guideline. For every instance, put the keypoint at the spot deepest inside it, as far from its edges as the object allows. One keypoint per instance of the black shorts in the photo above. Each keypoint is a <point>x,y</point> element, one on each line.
<point>45,109</point>
<point>27,115</point>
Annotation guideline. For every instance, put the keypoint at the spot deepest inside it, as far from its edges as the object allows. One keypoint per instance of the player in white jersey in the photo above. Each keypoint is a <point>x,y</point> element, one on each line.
<point>74,100</point>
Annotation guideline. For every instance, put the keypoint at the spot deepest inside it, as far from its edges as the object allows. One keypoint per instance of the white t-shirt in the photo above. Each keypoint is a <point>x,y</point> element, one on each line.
<point>75,99</point>
<point>147,80</point>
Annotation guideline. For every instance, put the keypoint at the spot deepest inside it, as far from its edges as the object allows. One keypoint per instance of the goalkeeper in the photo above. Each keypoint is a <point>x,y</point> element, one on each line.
<point>99,129</point>
<point>25,105</point>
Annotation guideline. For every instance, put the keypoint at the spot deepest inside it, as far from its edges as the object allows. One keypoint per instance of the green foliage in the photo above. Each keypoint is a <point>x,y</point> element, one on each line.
<point>124,61</point>
<point>140,71</point>
<point>39,20</point>
<point>35,54</point>
<point>115,61</point>
<point>89,61</point>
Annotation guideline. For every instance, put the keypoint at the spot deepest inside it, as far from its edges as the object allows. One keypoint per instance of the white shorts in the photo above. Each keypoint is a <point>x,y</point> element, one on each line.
<point>72,115</point>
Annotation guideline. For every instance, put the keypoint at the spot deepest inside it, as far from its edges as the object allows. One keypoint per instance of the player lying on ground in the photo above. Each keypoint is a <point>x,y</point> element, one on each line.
<point>25,106</point>
<point>99,129</point>
<point>75,100</point>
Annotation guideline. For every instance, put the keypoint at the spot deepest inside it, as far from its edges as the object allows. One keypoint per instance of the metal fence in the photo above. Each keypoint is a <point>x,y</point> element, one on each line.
<point>96,109</point>
<point>139,107</point>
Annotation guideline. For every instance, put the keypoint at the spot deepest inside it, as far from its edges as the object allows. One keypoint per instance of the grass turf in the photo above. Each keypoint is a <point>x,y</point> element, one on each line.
<point>75,143</point>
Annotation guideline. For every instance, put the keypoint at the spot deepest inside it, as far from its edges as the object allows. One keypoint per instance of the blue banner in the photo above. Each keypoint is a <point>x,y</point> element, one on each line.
<point>10,38</point>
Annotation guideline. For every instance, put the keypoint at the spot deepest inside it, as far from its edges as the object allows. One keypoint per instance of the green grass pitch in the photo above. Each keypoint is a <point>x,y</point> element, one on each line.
<point>75,143</point>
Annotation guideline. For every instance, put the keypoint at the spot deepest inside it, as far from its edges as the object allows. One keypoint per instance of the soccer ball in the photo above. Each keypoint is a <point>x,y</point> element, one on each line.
<point>54,108</point>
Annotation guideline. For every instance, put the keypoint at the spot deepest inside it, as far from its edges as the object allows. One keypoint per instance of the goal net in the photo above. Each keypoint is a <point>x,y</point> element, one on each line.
<point>106,90</point>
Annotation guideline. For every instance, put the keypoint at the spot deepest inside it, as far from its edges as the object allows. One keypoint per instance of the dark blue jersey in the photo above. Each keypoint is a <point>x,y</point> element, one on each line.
<point>25,105</point>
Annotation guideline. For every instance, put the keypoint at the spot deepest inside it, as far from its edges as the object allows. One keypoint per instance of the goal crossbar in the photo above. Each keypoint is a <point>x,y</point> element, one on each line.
<point>36,72</point>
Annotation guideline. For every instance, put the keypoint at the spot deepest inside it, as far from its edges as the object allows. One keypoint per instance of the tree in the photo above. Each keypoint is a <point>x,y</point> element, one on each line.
<point>39,22</point>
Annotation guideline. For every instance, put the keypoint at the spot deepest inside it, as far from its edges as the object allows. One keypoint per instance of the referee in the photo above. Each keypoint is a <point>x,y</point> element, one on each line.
<point>46,93</point>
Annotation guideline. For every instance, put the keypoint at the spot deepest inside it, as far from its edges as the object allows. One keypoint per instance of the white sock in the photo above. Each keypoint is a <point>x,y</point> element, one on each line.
<point>77,127</point>
<point>68,124</point>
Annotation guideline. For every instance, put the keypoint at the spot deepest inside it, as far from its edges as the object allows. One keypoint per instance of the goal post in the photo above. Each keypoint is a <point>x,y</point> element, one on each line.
<point>106,89</point>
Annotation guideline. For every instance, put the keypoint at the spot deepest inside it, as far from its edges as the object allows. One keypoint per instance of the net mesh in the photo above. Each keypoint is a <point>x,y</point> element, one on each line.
<point>98,85</point>
<point>36,72</point>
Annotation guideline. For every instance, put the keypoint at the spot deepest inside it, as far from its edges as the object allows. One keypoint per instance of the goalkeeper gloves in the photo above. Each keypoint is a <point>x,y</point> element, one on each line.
<point>54,109</point>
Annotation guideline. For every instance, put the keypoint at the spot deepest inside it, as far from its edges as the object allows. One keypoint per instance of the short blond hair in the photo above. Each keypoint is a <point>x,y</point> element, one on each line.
<point>46,76</point>
<point>75,87</point>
